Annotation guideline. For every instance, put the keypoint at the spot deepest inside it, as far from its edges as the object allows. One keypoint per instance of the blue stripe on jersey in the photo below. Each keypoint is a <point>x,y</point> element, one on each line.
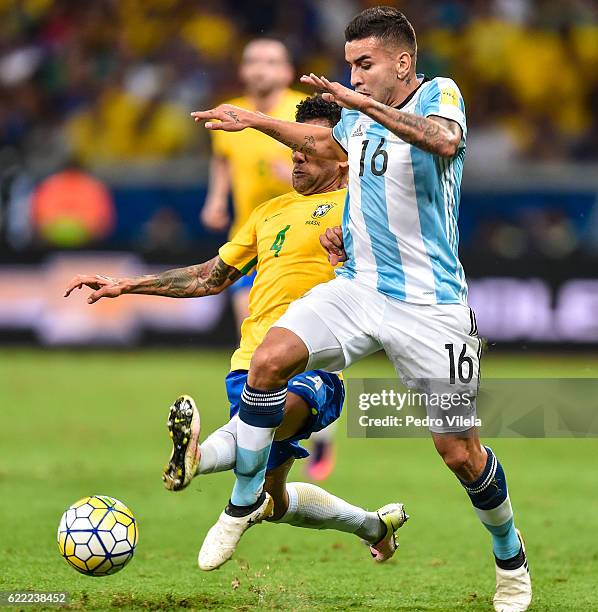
<point>437,194</point>
<point>426,97</point>
<point>348,268</point>
<point>385,246</point>
<point>348,121</point>
<point>453,185</point>
<point>431,219</point>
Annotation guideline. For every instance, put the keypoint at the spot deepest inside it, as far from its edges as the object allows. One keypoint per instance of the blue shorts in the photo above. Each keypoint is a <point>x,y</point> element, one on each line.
<point>323,391</point>
<point>245,282</point>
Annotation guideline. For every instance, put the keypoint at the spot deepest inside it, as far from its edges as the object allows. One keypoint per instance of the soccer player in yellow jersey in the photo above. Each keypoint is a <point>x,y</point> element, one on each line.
<point>254,167</point>
<point>282,238</point>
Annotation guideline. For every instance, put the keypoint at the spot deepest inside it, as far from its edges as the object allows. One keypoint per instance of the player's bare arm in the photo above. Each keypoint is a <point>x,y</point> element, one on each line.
<point>214,214</point>
<point>434,134</point>
<point>207,278</point>
<point>306,138</point>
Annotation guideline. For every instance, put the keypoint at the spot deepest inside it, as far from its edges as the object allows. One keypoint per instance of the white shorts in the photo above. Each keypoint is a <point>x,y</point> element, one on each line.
<point>342,321</point>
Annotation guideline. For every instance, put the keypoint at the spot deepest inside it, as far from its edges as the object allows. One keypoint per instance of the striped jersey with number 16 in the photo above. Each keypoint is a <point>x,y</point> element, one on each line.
<point>400,219</point>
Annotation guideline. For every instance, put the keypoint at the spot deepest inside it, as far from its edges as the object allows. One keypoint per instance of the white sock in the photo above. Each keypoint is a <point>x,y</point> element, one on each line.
<point>219,449</point>
<point>314,508</point>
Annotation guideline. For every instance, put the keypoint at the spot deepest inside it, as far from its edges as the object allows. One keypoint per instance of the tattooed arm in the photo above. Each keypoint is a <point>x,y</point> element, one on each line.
<point>207,278</point>
<point>303,137</point>
<point>433,134</point>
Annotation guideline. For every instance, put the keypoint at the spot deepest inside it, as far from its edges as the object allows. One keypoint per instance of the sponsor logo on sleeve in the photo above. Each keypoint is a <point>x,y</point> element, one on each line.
<point>449,96</point>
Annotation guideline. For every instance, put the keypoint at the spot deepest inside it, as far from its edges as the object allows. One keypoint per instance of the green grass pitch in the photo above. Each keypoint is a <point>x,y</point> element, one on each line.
<point>75,424</point>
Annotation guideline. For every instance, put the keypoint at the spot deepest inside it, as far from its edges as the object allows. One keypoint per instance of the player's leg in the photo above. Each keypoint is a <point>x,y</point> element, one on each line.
<point>306,505</point>
<point>218,452</point>
<point>222,538</point>
<point>261,411</point>
<point>323,457</point>
<point>482,475</point>
<point>317,398</point>
<point>424,342</point>
<point>300,338</point>
<point>276,486</point>
<point>483,478</point>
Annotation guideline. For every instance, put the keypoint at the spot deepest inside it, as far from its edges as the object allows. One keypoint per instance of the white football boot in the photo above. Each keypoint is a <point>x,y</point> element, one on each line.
<point>184,428</point>
<point>393,516</point>
<point>221,540</point>
<point>513,587</point>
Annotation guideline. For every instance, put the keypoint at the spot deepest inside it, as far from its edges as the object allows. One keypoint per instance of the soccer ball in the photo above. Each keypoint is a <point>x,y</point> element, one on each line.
<point>97,535</point>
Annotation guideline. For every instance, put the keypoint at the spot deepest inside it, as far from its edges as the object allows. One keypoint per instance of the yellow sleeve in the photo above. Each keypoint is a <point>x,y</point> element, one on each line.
<point>220,143</point>
<point>241,251</point>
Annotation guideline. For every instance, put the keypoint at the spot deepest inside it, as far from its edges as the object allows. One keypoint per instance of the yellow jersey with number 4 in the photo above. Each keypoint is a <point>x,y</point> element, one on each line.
<point>281,239</point>
<point>257,162</point>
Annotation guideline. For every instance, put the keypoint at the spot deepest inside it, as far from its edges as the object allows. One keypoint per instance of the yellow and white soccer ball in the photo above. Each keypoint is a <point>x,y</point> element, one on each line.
<point>97,535</point>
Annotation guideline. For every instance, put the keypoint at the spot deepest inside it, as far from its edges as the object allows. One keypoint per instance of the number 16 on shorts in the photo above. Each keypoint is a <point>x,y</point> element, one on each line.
<point>461,368</point>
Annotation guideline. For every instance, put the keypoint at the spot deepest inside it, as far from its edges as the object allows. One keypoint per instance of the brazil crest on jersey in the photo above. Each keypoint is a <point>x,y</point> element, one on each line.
<point>400,219</point>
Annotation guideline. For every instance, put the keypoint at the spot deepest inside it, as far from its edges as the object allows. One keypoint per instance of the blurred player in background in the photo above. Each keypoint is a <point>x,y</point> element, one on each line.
<point>253,168</point>
<point>281,237</point>
<point>256,168</point>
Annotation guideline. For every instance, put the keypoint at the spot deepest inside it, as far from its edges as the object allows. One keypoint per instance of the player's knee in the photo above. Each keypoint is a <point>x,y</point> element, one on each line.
<point>456,457</point>
<point>269,366</point>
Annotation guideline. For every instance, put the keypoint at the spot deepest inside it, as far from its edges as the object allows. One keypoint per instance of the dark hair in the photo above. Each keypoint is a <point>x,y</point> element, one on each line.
<point>315,107</point>
<point>266,38</point>
<point>383,22</point>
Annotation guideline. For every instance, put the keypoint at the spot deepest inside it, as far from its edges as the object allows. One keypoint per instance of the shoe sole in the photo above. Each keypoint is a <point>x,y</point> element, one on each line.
<point>184,429</point>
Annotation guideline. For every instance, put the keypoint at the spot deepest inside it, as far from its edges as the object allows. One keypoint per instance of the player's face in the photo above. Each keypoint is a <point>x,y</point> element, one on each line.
<point>373,68</point>
<point>313,175</point>
<point>265,67</point>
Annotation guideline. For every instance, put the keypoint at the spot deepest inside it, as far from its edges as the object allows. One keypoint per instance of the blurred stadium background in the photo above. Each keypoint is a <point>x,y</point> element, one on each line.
<point>105,88</point>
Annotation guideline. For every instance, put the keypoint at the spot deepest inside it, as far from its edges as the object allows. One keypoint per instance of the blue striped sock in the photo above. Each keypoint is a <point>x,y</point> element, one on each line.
<point>260,413</point>
<point>490,498</point>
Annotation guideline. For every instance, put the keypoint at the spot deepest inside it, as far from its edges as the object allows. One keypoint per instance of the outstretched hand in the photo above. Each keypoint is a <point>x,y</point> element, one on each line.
<point>225,117</point>
<point>104,286</point>
<point>332,241</point>
<point>335,92</point>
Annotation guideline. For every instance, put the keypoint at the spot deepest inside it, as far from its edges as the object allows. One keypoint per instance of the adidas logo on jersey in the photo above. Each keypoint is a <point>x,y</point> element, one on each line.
<point>358,131</point>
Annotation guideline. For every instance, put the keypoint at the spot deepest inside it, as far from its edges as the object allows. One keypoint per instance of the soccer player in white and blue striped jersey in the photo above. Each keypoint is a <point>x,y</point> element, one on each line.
<point>402,288</point>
